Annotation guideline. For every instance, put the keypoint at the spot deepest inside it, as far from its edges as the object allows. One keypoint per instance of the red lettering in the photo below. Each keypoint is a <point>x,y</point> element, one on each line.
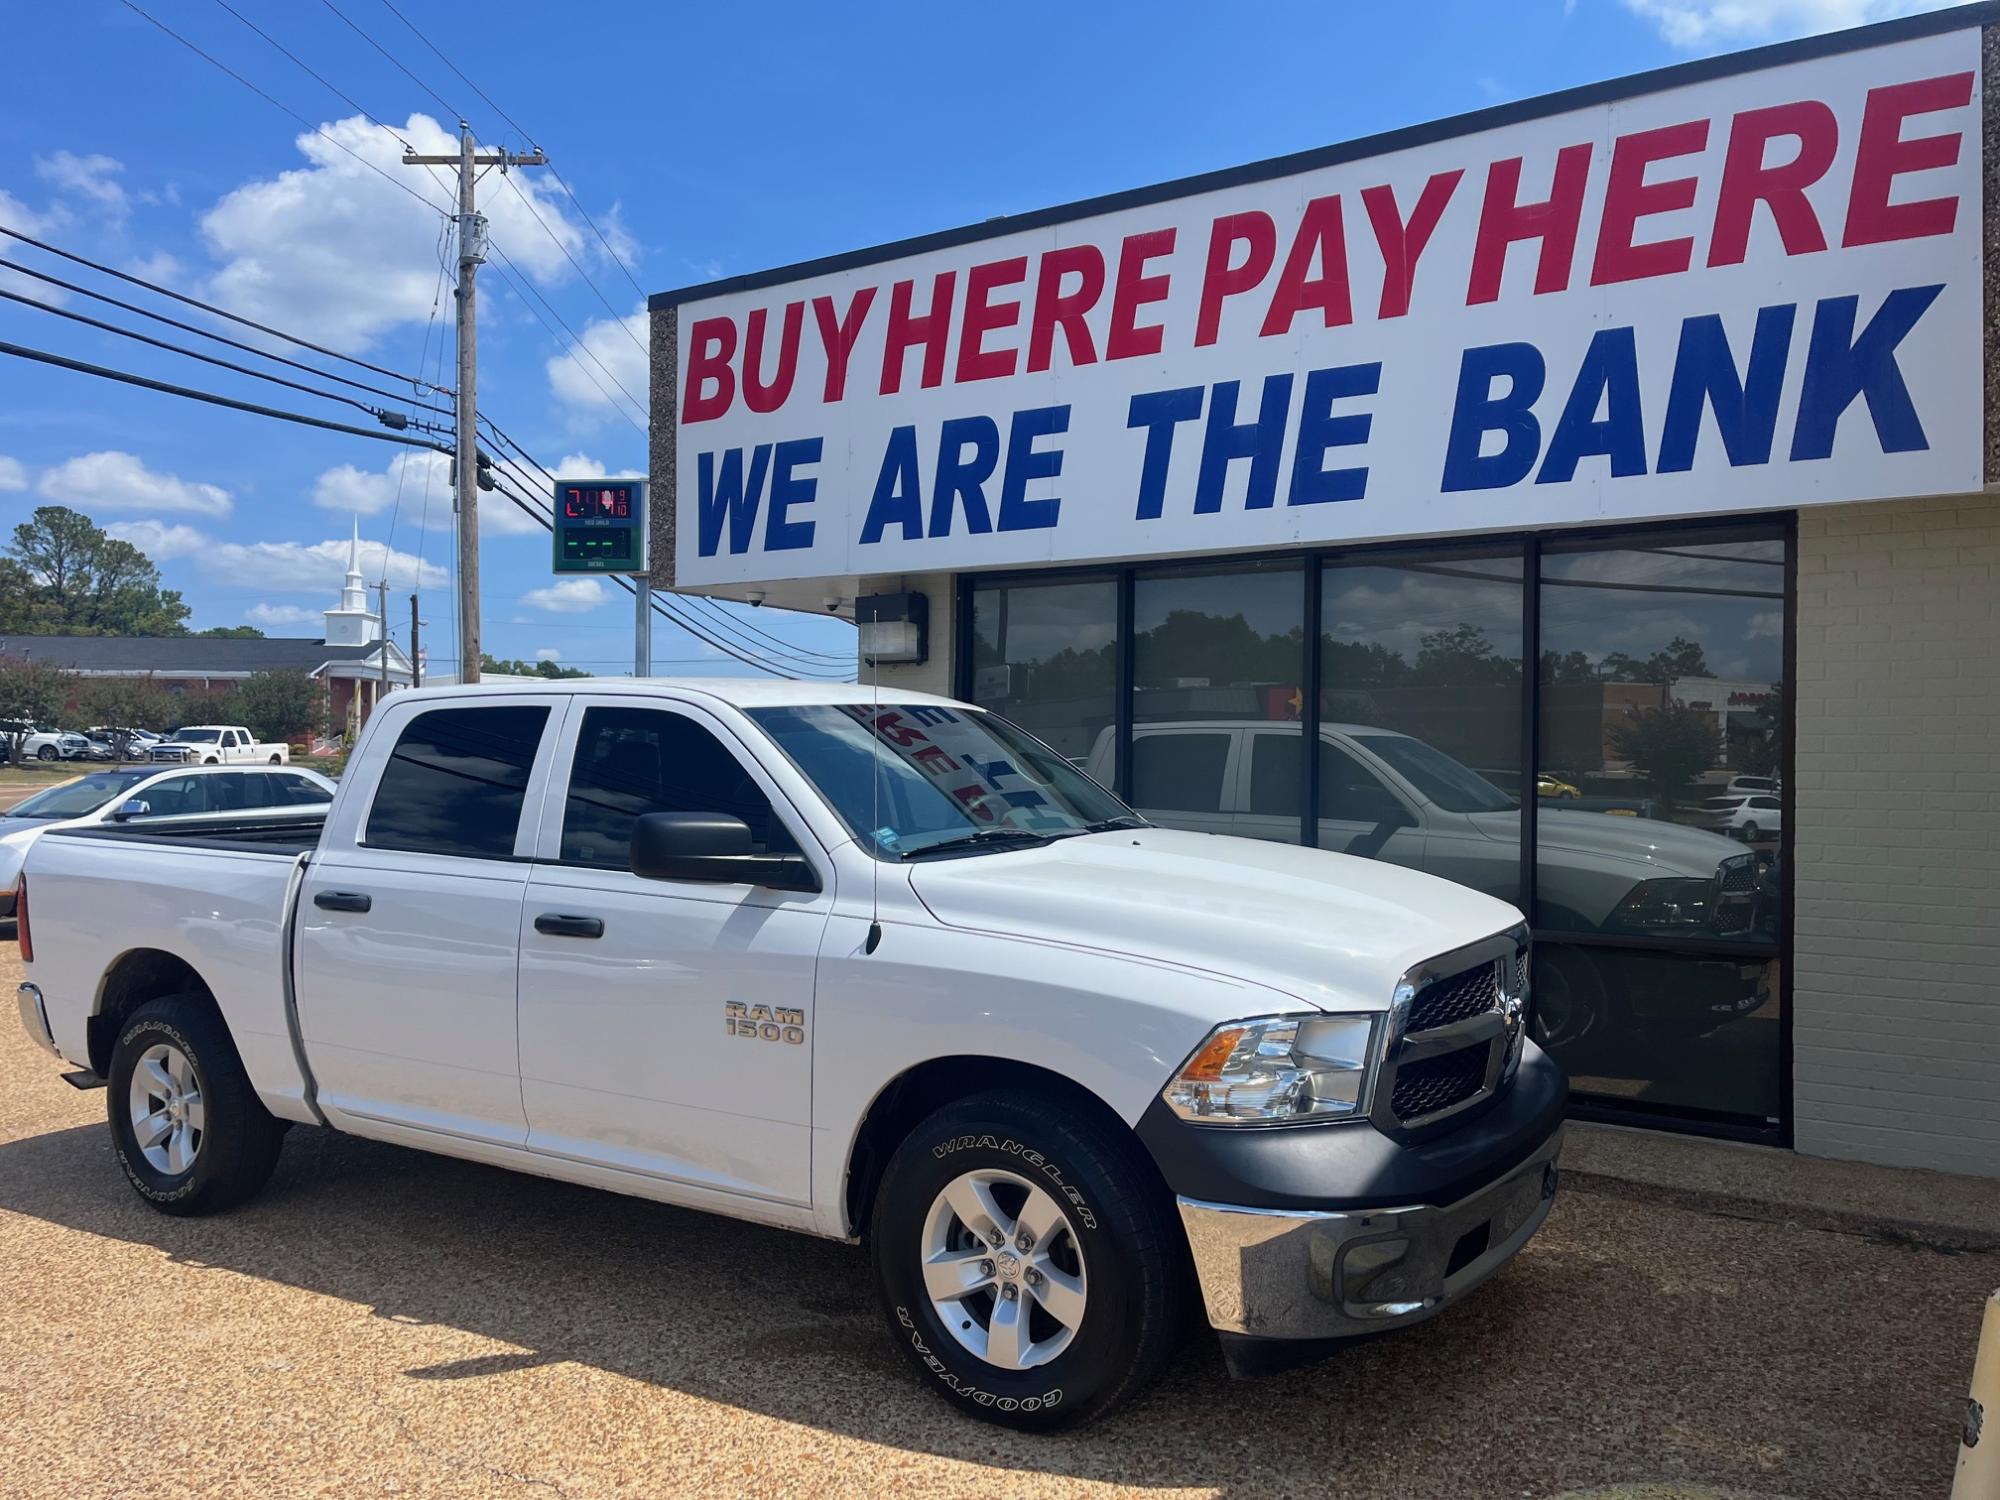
<point>1321,241</point>
<point>1133,290</point>
<point>837,337</point>
<point>1403,244</point>
<point>758,396</point>
<point>981,318</point>
<point>711,345</point>
<point>1503,220</point>
<point>1628,198</point>
<point>1883,155</point>
<point>905,332</point>
<point>1222,280</point>
<point>1747,181</point>
<point>1055,308</point>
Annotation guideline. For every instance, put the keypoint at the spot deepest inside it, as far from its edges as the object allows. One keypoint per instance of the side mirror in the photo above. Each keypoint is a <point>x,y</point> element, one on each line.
<point>136,807</point>
<point>713,848</point>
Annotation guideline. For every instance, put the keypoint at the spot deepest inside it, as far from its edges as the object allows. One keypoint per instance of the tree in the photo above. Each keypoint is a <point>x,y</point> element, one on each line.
<point>1668,746</point>
<point>64,576</point>
<point>1682,658</point>
<point>515,667</point>
<point>125,703</point>
<point>1462,657</point>
<point>276,706</point>
<point>233,632</point>
<point>30,693</point>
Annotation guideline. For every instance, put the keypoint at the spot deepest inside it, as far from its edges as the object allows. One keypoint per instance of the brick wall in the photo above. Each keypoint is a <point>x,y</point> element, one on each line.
<point>1896,993</point>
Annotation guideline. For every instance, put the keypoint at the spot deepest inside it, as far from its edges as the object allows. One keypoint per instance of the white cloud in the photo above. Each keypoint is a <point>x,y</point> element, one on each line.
<point>17,215</point>
<point>315,567</point>
<point>92,178</point>
<point>118,481</point>
<point>160,540</point>
<point>1698,24</point>
<point>159,266</point>
<point>548,653</point>
<point>567,596</point>
<point>367,492</point>
<point>272,616</point>
<point>12,475</point>
<point>334,251</point>
<point>617,371</point>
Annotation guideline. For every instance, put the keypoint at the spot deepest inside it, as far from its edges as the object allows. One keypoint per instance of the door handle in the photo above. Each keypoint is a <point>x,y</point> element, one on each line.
<point>553,924</point>
<point>342,900</point>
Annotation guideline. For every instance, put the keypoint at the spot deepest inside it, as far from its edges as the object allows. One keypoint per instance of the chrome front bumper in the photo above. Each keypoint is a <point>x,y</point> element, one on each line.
<point>35,1017</point>
<point>1278,1274</point>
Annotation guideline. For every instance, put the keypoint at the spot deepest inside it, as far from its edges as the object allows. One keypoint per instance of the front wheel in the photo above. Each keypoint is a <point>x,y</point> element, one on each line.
<point>47,752</point>
<point>189,1129</point>
<point>1026,1262</point>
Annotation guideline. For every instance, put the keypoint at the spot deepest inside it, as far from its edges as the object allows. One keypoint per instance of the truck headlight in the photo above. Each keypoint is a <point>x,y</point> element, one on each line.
<point>1666,904</point>
<point>1277,1070</point>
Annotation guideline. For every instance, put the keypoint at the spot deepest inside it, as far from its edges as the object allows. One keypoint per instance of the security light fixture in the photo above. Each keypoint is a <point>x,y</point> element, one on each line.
<point>895,628</point>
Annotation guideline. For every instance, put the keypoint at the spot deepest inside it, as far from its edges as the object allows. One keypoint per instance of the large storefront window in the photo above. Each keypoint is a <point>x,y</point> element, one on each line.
<point>1218,660</point>
<point>1643,761</point>
<point>1420,714</point>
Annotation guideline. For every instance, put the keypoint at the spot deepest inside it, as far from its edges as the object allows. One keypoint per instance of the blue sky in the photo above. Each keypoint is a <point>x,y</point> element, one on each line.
<point>703,142</point>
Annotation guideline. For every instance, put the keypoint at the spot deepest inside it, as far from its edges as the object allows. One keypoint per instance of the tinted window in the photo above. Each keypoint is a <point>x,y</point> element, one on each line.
<point>1351,793</point>
<point>296,791</point>
<point>1179,772</point>
<point>178,796</point>
<point>1042,656</point>
<point>641,760</point>
<point>455,782</point>
<point>238,793</point>
<point>1274,774</point>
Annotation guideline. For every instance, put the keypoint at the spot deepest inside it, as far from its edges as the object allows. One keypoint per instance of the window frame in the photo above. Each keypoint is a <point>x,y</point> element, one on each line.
<point>1777,525</point>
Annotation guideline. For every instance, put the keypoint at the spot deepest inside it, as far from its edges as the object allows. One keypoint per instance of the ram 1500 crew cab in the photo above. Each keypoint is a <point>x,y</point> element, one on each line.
<point>885,970</point>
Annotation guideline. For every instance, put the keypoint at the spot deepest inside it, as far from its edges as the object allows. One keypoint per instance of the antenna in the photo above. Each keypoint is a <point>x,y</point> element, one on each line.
<point>875,785</point>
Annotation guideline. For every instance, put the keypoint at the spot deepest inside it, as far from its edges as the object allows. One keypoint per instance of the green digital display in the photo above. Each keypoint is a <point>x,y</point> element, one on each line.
<point>600,526</point>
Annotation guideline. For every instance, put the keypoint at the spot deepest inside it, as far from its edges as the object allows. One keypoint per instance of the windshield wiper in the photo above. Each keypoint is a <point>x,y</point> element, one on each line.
<point>979,836</point>
<point>1112,825</point>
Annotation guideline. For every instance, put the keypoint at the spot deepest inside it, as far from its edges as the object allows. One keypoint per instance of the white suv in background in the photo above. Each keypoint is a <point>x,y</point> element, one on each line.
<point>1751,817</point>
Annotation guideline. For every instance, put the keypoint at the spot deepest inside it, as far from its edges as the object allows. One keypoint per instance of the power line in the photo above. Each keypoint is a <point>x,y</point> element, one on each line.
<point>209,307</point>
<point>200,332</point>
<point>415,31</point>
<point>442,104</point>
<point>379,413</point>
<point>43,356</point>
<point>305,66</point>
<point>294,114</point>
<point>516,281</point>
<point>556,240</point>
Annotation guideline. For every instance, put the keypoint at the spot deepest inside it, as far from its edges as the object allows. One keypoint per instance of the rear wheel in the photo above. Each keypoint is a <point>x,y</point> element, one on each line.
<point>277,760</point>
<point>188,1128</point>
<point>1027,1271</point>
<point>1752,833</point>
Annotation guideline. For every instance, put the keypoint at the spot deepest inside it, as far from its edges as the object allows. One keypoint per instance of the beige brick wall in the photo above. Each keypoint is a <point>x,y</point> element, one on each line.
<point>1896,990</point>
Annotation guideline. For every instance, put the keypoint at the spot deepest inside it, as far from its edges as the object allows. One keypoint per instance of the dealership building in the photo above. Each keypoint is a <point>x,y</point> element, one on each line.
<point>1603,485</point>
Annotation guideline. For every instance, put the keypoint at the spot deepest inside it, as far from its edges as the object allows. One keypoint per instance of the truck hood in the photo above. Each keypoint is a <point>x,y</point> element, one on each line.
<point>1329,929</point>
<point>1673,848</point>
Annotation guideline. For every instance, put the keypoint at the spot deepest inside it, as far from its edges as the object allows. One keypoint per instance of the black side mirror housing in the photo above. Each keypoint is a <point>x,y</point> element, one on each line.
<point>712,848</point>
<point>133,807</point>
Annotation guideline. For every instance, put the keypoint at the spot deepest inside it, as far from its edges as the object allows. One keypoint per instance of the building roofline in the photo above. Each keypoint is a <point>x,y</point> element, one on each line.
<point>1656,80</point>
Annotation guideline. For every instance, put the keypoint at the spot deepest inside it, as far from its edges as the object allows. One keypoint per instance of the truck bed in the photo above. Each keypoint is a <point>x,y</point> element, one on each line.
<point>294,834</point>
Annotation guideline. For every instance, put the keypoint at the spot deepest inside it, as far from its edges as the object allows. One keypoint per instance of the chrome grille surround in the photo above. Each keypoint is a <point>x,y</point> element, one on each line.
<point>1419,1035</point>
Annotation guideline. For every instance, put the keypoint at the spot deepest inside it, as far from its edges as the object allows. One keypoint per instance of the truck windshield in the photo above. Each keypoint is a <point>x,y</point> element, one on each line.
<point>1453,787</point>
<point>196,736</point>
<point>75,798</point>
<point>909,777</point>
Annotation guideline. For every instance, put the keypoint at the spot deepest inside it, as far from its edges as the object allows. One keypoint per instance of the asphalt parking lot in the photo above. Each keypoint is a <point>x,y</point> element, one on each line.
<point>386,1322</point>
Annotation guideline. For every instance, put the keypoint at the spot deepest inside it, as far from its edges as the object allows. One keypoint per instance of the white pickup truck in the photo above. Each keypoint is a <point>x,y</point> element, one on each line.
<point>889,969</point>
<point>217,745</point>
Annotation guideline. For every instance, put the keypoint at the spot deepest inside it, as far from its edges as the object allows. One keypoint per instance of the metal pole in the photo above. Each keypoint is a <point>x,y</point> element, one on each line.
<point>642,627</point>
<point>382,611</point>
<point>471,251</point>
<point>416,652</point>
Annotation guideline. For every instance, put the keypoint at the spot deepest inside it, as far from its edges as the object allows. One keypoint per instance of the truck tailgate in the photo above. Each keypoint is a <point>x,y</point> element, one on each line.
<point>221,909</point>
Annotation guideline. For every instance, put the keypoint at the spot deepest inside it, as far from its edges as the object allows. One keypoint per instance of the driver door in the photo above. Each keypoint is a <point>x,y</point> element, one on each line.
<point>1359,813</point>
<point>666,1026</point>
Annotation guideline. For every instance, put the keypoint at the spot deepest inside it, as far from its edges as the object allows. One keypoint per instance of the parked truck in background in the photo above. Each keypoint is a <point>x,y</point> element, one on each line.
<point>217,745</point>
<point>890,971</point>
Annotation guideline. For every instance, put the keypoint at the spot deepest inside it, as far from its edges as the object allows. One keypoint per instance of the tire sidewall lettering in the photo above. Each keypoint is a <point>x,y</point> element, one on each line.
<point>1028,1156</point>
<point>967,1390</point>
<point>133,1168</point>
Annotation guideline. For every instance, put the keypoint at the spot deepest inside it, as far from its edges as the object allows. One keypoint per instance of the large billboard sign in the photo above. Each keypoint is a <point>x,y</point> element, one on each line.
<point>1749,290</point>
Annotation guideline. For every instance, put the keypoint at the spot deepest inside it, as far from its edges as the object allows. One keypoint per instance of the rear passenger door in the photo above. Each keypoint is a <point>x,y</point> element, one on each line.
<point>409,919</point>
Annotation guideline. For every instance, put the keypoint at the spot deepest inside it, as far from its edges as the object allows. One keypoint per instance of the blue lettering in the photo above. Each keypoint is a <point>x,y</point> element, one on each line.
<point>1159,412</point>
<point>1476,411</point>
<point>1840,367</point>
<point>898,499</point>
<point>781,532</point>
<point>1320,429</point>
<point>1261,441</point>
<point>728,498</point>
<point>1017,512</point>
<point>1745,406</point>
<point>961,477</point>
<point>1609,377</point>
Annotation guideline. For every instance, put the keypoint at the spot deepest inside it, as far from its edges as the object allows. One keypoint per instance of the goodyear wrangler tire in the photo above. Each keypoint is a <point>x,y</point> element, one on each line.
<point>188,1127</point>
<point>1026,1262</point>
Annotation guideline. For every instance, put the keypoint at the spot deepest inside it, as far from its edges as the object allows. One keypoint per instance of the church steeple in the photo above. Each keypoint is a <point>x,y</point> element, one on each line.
<point>353,623</point>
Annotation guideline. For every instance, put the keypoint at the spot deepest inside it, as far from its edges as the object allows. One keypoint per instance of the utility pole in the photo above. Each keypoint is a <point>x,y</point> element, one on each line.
<point>416,647</point>
<point>471,252</point>
<point>642,627</point>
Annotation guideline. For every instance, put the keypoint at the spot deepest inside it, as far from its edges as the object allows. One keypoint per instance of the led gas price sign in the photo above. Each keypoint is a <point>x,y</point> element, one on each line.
<point>601,526</point>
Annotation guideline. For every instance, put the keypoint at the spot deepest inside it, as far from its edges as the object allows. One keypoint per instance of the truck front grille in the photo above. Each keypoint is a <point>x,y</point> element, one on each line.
<point>1437,1083</point>
<point>1454,998</point>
